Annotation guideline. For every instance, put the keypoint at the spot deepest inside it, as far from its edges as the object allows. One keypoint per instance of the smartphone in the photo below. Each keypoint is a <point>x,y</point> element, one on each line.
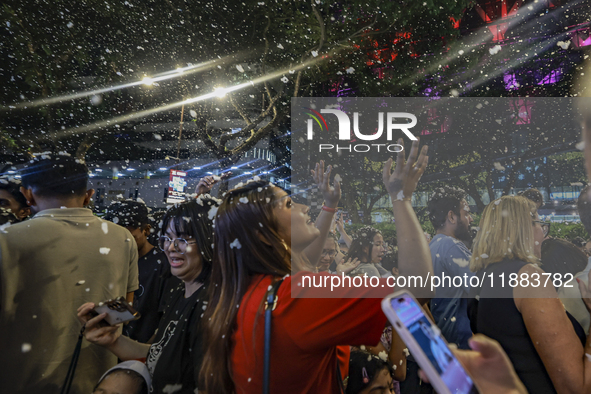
<point>118,311</point>
<point>426,344</point>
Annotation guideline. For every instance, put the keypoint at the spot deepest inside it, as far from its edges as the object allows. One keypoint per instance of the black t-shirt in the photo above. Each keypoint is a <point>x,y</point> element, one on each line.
<point>175,356</point>
<point>154,272</point>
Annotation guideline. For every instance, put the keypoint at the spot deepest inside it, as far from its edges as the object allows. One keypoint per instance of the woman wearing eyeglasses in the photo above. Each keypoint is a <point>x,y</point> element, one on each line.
<point>518,304</point>
<point>175,354</point>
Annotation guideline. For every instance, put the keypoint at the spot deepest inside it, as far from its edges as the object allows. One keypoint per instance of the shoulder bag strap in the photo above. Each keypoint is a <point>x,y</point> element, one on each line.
<point>73,363</point>
<point>270,304</point>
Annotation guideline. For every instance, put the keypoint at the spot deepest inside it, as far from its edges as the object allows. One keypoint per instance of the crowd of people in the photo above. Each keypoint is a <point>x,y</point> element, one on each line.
<point>208,277</point>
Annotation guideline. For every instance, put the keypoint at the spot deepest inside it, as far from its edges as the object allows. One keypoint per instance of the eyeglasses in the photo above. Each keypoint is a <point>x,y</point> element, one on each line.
<point>180,244</point>
<point>329,252</point>
<point>545,227</point>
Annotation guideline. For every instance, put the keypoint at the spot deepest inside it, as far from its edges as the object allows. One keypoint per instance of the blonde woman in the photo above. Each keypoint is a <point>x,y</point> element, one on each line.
<point>520,309</point>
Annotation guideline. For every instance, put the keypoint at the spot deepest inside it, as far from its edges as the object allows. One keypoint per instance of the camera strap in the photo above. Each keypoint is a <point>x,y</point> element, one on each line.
<point>270,304</point>
<point>73,363</point>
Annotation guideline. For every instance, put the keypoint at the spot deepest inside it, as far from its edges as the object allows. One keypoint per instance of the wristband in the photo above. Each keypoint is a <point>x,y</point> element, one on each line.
<point>403,199</point>
<point>327,209</point>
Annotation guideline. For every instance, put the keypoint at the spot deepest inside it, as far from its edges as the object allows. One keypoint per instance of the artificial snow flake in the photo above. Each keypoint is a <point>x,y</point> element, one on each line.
<point>239,68</point>
<point>104,250</point>
<point>461,262</point>
<point>563,44</point>
<point>212,212</point>
<point>105,227</point>
<point>494,50</point>
<point>350,70</point>
<point>498,166</point>
<point>235,244</point>
<point>172,388</point>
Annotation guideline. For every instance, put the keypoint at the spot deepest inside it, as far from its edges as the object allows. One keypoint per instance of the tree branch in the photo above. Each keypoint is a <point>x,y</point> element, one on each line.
<point>322,27</point>
<point>248,130</point>
<point>256,137</point>
<point>202,134</point>
<point>238,108</point>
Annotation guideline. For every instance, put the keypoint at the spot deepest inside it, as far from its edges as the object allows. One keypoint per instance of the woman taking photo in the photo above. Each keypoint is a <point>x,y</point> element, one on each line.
<point>545,344</point>
<point>259,231</point>
<point>175,353</point>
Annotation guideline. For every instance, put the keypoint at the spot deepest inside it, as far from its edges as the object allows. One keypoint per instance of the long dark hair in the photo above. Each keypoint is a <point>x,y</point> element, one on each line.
<point>363,239</point>
<point>247,243</point>
<point>195,219</point>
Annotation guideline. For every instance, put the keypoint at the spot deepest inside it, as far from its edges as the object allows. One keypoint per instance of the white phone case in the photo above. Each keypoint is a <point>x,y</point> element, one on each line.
<point>415,349</point>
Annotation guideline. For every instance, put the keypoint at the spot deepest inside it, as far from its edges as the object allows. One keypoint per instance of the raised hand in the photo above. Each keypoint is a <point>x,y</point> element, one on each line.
<point>401,183</point>
<point>344,267</point>
<point>340,224</point>
<point>331,194</point>
<point>207,182</point>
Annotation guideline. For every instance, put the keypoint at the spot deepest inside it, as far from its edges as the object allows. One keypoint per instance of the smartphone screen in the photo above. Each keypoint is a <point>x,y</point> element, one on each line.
<point>428,337</point>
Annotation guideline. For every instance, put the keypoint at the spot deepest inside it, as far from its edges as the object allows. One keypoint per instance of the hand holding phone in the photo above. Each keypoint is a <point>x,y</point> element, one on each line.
<point>427,345</point>
<point>118,311</point>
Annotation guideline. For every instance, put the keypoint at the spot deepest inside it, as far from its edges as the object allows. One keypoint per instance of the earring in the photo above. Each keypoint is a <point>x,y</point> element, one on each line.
<point>365,376</point>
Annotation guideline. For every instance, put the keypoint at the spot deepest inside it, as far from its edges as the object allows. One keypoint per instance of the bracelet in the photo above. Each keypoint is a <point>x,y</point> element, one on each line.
<point>327,209</point>
<point>403,199</point>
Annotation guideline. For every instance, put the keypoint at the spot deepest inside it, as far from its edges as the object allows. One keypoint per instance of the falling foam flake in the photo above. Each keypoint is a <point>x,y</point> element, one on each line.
<point>172,388</point>
<point>235,244</point>
<point>494,50</point>
<point>243,200</point>
<point>26,347</point>
<point>104,250</point>
<point>461,262</point>
<point>105,228</point>
<point>563,44</point>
